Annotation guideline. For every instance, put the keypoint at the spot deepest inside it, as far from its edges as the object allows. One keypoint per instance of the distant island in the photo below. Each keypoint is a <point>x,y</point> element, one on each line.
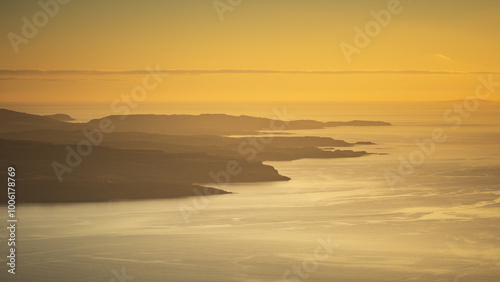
<point>152,156</point>
<point>204,124</point>
<point>60,117</point>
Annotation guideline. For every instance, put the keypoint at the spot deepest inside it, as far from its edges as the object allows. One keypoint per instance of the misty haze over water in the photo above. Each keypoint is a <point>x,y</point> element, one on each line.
<point>440,224</point>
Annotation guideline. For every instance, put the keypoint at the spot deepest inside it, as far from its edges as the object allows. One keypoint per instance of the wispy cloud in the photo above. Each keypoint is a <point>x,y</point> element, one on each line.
<point>443,57</point>
<point>12,73</point>
<point>58,78</point>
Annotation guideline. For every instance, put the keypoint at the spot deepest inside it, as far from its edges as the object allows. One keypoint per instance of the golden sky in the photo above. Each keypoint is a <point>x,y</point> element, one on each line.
<point>277,49</point>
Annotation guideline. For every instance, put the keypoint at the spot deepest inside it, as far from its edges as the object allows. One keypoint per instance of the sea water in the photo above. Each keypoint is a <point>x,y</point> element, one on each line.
<point>335,220</point>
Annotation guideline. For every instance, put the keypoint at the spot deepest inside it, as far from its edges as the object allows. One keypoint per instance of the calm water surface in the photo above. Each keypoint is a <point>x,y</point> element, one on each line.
<point>441,224</point>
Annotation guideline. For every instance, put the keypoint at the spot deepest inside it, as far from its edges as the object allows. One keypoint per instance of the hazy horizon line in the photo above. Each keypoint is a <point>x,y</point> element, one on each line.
<point>228,71</point>
<point>243,102</point>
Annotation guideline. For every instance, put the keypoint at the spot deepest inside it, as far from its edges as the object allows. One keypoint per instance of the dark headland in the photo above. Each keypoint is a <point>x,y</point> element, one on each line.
<point>151,156</point>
